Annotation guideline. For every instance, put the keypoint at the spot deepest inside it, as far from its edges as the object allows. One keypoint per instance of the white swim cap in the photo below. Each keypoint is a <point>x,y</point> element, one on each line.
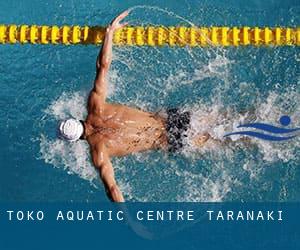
<point>70,130</point>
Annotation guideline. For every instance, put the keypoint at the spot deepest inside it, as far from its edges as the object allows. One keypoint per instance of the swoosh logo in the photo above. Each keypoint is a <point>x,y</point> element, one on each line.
<point>264,127</point>
<point>262,136</point>
<point>269,128</point>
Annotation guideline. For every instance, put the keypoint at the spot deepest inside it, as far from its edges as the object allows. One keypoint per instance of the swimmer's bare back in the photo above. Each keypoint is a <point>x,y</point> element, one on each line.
<point>113,129</point>
<point>123,130</point>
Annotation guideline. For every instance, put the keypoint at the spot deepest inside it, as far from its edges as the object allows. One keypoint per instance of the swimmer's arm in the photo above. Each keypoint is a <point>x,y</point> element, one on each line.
<point>105,56</point>
<point>103,64</point>
<point>103,164</point>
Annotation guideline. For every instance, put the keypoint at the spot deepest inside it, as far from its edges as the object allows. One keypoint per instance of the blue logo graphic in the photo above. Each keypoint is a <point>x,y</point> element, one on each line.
<point>282,134</point>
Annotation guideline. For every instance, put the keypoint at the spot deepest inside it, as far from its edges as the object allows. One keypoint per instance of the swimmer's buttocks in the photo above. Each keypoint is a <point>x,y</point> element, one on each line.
<point>177,124</point>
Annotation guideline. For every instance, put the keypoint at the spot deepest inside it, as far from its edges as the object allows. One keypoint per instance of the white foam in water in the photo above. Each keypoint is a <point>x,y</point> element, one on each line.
<point>217,123</point>
<point>73,157</point>
<point>221,171</point>
<point>201,188</point>
<point>216,68</point>
<point>68,105</point>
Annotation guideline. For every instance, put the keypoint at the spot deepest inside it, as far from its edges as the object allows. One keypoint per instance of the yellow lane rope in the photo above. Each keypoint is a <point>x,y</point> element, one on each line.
<point>152,35</point>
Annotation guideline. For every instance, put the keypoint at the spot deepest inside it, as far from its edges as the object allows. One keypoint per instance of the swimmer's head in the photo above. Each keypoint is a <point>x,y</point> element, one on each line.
<point>70,130</point>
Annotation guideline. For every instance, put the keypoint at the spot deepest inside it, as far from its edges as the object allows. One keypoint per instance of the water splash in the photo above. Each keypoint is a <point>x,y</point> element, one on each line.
<point>192,185</point>
<point>74,158</point>
<point>215,85</point>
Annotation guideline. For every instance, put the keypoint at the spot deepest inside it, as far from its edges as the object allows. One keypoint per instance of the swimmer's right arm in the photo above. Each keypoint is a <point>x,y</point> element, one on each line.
<point>103,164</point>
<point>105,56</point>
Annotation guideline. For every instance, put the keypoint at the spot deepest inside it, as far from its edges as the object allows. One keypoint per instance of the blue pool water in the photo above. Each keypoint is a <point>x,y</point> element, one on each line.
<point>42,84</point>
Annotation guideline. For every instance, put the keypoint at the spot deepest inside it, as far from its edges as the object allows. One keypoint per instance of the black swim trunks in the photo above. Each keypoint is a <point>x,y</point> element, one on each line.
<point>177,125</point>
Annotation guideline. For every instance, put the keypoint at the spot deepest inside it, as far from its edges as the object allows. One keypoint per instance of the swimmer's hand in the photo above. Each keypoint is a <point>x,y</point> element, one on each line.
<point>115,24</point>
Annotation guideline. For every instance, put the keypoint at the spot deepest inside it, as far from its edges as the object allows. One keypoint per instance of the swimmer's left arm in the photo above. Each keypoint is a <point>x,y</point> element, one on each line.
<point>105,56</point>
<point>103,164</point>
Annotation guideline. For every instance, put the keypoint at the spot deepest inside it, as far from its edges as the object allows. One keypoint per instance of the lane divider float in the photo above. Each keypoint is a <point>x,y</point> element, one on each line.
<point>152,35</point>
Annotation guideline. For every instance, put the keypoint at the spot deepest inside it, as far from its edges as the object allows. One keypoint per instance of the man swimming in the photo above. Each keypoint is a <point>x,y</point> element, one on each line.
<point>117,130</point>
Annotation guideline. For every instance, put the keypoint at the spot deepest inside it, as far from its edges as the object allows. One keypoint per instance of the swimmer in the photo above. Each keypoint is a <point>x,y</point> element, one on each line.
<point>114,130</point>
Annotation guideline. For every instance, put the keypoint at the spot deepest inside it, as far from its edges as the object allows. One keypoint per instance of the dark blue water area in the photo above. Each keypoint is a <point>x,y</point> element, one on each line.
<point>67,226</point>
<point>34,78</point>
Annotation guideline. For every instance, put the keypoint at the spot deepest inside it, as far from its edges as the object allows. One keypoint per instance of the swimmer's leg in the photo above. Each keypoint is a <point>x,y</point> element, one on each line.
<point>200,140</point>
<point>203,138</point>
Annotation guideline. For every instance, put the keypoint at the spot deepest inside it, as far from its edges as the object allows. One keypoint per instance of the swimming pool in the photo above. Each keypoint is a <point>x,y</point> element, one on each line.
<point>42,84</point>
